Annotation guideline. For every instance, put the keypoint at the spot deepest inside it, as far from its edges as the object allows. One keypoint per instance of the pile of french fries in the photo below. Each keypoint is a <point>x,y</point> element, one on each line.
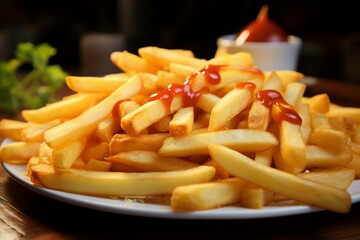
<point>204,133</point>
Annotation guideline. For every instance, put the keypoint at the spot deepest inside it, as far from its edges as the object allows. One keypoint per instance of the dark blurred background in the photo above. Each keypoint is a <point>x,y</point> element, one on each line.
<point>85,32</point>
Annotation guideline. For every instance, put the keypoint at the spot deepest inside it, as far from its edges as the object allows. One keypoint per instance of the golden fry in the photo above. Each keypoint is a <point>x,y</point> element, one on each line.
<point>65,157</point>
<point>149,113</point>
<point>245,140</point>
<point>67,108</point>
<point>149,161</point>
<point>12,129</point>
<point>229,106</point>
<point>120,184</point>
<point>277,181</point>
<point>148,142</point>
<point>182,122</point>
<point>205,196</point>
<point>131,63</point>
<point>19,151</point>
<point>95,84</point>
<point>86,123</point>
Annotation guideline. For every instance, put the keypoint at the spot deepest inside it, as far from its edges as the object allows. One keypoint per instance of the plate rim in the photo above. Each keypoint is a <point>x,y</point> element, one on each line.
<point>119,206</point>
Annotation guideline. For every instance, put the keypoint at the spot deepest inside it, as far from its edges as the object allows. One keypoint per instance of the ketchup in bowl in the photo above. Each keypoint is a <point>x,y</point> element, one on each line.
<point>262,29</point>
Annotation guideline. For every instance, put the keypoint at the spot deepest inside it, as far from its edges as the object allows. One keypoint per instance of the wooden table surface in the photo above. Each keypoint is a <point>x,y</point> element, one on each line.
<point>25,214</point>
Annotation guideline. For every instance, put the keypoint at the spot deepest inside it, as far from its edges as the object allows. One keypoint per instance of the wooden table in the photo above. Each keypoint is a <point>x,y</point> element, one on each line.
<point>29,215</point>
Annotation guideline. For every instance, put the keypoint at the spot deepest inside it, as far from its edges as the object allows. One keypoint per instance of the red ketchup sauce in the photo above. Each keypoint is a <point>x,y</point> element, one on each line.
<point>262,29</point>
<point>247,85</point>
<point>287,113</point>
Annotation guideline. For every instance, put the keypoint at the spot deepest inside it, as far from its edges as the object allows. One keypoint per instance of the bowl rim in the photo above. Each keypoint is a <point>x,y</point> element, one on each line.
<point>227,41</point>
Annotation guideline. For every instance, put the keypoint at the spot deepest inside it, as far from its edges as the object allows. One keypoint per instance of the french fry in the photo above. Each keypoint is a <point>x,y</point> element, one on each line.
<point>324,135</point>
<point>79,163</point>
<point>293,94</point>
<point>355,164</point>
<point>12,129</point>
<point>340,111</point>
<point>339,177</point>
<point>245,140</point>
<point>119,167</point>
<point>148,142</point>
<point>203,196</point>
<point>329,138</point>
<point>97,165</point>
<point>161,126</point>
<point>99,151</point>
<point>207,102</point>
<point>292,156</point>
<point>35,132</point>
<point>96,84</point>
<point>229,77</point>
<point>34,160</point>
<point>107,128</point>
<point>255,197</point>
<point>131,63</point>
<point>184,52</point>
<point>273,81</point>
<point>306,191</point>
<point>259,114</point>
<point>150,82</point>
<point>229,106</point>
<point>181,70</point>
<point>323,157</point>
<point>355,148</point>
<point>202,121</point>
<point>149,113</point>
<point>117,184</point>
<point>220,172</point>
<point>319,120</point>
<point>305,128</point>
<point>265,157</point>
<point>344,124</point>
<point>162,57</point>
<point>85,123</point>
<point>166,78</point>
<point>19,152</point>
<point>127,107</point>
<point>182,122</point>
<point>221,52</point>
<point>149,161</point>
<point>45,153</point>
<point>239,59</point>
<point>356,134</point>
<point>286,76</point>
<point>65,157</point>
<point>318,103</point>
<point>66,109</point>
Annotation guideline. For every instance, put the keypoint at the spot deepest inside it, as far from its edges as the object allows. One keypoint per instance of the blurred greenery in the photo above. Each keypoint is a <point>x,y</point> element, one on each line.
<point>33,87</point>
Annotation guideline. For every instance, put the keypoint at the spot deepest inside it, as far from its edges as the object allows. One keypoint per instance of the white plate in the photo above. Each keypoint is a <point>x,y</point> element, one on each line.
<point>163,211</point>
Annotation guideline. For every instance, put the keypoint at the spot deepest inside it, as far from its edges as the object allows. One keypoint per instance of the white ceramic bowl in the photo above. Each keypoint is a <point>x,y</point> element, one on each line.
<point>267,56</point>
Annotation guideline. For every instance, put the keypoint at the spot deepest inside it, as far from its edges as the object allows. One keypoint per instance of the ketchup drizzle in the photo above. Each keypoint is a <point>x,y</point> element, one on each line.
<point>249,85</point>
<point>210,72</point>
<point>287,113</point>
